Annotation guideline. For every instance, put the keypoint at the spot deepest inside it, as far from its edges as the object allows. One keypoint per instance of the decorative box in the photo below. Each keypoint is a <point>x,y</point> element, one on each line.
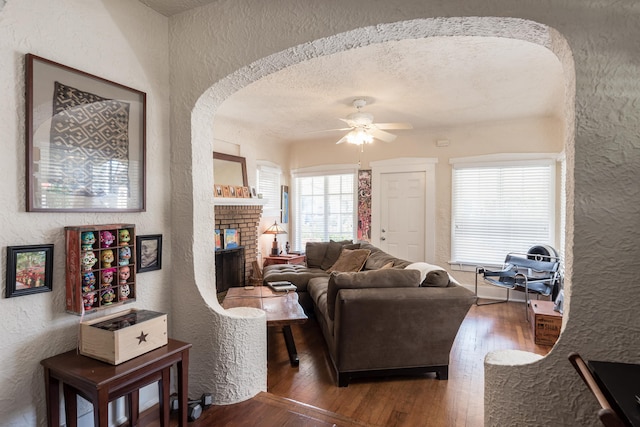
<point>546,322</point>
<point>122,336</point>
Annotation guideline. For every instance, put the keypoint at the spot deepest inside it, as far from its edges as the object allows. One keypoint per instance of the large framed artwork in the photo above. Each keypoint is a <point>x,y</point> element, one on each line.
<point>29,270</point>
<point>284,204</point>
<point>86,141</point>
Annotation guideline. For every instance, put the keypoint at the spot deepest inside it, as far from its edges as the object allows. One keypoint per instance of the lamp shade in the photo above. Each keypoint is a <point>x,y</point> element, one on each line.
<point>274,229</point>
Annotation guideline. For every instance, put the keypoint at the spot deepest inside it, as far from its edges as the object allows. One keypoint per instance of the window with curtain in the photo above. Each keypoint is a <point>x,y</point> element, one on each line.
<point>268,184</point>
<point>501,207</point>
<point>324,207</point>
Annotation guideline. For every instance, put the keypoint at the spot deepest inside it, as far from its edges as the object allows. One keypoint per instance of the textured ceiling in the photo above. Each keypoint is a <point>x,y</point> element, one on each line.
<point>431,83</point>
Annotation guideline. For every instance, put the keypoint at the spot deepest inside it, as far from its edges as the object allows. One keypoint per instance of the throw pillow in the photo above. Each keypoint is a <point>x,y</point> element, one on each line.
<point>334,249</point>
<point>436,278</point>
<point>315,252</point>
<point>387,278</point>
<point>350,260</point>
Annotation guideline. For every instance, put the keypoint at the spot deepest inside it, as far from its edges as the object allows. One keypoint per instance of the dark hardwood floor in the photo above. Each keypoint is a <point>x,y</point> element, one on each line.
<point>395,401</point>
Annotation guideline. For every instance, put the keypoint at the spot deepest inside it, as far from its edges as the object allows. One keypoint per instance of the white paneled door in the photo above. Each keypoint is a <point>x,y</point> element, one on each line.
<point>402,214</point>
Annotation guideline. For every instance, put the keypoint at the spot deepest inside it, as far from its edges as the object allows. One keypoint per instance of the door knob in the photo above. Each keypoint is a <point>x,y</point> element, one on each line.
<point>384,231</point>
<point>383,238</point>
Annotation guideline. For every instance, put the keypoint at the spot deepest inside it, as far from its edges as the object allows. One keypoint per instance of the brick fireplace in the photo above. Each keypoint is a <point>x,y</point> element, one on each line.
<point>246,219</point>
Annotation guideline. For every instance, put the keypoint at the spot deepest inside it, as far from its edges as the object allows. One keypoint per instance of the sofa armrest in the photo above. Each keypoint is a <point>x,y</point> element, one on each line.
<point>397,328</point>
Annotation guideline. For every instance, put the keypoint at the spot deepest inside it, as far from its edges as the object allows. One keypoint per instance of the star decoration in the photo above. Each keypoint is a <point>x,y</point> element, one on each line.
<point>142,337</point>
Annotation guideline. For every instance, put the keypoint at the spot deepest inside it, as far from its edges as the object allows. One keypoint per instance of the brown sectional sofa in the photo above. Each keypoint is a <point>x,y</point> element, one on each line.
<point>385,319</point>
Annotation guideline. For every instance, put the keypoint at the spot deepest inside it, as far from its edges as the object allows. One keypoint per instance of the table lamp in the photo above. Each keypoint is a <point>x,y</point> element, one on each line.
<point>275,229</point>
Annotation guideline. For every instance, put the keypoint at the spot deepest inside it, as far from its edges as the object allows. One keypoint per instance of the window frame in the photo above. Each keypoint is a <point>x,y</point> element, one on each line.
<point>272,207</point>
<point>318,171</point>
<point>505,160</point>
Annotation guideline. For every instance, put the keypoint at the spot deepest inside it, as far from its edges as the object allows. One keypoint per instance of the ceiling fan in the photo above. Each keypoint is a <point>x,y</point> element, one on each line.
<point>362,129</point>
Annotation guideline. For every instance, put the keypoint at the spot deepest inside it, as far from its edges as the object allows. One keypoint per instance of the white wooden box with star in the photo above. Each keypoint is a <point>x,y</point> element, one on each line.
<point>124,335</point>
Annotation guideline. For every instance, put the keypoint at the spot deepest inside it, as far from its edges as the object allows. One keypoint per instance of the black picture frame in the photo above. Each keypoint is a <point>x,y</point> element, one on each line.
<point>148,253</point>
<point>29,270</point>
<point>86,141</point>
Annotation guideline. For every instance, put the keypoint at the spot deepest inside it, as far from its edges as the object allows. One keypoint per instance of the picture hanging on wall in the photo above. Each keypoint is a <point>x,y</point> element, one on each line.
<point>85,141</point>
<point>149,252</point>
<point>284,204</point>
<point>364,205</point>
<point>29,270</point>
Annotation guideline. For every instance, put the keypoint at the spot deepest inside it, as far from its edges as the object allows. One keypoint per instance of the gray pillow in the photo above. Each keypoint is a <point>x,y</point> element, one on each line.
<point>314,253</point>
<point>436,278</point>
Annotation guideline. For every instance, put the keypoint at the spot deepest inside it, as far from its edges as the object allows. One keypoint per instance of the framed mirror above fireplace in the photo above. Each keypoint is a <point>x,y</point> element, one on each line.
<point>229,170</point>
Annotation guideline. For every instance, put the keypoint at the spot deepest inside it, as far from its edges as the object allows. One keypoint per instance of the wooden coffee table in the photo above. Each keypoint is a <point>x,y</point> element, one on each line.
<point>283,310</point>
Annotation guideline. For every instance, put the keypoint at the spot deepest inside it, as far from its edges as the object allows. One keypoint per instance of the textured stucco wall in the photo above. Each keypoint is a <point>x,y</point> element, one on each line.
<point>217,40</point>
<point>119,40</point>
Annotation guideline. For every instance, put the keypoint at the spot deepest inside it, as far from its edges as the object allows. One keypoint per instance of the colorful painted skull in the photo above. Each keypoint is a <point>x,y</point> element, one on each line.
<point>88,239</point>
<point>88,299</point>
<point>106,238</point>
<point>124,237</point>
<point>88,260</point>
<point>124,256</point>
<point>107,258</point>
<point>107,276</point>
<point>124,292</point>
<point>88,281</point>
<point>125,272</point>
<point>107,296</point>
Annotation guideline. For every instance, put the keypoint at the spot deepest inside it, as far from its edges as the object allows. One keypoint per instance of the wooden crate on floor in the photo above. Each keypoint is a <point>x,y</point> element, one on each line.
<point>546,322</point>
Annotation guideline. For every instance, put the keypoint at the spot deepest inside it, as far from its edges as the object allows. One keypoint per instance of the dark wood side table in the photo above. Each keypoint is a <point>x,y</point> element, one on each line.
<point>284,259</point>
<point>100,383</point>
<point>619,382</point>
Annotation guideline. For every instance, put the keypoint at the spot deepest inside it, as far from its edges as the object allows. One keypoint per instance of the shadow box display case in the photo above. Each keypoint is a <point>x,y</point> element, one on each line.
<point>100,270</point>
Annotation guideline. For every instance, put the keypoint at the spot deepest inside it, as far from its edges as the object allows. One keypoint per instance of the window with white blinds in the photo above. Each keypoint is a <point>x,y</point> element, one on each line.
<point>268,184</point>
<point>501,207</point>
<point>325,208</point>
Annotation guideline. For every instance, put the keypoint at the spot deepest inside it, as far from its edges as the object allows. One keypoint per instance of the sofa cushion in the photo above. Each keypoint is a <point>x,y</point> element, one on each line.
<point>386,278</point>
<point>430,275</point>
<point>350,260</point>
<point>299,275</point>
<point>334,249</point>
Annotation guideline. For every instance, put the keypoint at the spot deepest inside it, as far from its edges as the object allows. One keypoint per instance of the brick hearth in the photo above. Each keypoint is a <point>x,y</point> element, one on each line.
<point>246,219</point>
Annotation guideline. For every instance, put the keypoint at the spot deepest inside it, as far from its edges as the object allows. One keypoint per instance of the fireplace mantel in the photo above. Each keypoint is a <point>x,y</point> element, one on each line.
<point>230,201</point>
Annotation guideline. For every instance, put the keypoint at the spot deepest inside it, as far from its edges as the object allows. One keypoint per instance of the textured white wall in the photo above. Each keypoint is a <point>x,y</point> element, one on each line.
<point>120,40</point>
<point>216,40</point>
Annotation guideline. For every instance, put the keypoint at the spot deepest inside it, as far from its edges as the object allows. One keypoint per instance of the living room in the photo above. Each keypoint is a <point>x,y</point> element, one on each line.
<point>177,59</point>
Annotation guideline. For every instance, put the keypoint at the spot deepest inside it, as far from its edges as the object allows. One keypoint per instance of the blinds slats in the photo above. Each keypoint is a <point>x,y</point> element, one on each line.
<point>500,209</point>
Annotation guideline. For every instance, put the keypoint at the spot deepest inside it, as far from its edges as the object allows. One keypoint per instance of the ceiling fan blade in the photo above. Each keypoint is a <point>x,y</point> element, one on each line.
<point>393,125</point>
<point>382,135</point>
<point>328,130</point>
<point>343,139</point>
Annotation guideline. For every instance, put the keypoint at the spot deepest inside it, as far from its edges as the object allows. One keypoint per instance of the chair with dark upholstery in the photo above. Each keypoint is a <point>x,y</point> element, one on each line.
<point>531,273</point>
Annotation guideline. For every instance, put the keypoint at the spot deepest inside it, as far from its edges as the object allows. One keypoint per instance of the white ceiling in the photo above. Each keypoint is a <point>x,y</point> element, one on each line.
<point>431,83</point>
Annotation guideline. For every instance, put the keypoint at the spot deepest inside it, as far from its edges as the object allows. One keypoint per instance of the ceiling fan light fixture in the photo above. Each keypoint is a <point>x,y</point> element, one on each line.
<point>359,137</point>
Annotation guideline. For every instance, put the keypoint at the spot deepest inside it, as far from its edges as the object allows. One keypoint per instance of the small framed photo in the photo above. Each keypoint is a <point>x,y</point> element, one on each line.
<point>254,193</point>
<point>225,191</point>
<point>245,192</point>
<point>231,238</point>
<point>239,191</point>
<point>217,190</point>
<point>218,240</point>
<point>149,252</point>
<point>29,270</point>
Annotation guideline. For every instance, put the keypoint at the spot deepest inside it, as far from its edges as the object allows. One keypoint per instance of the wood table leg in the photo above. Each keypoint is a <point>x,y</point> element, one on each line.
<point>134,407</point>
<point>291,345</point>
<point>52,389</point>
<point>183,387</point>
<point>163,386</point>
<point>70,405</point>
